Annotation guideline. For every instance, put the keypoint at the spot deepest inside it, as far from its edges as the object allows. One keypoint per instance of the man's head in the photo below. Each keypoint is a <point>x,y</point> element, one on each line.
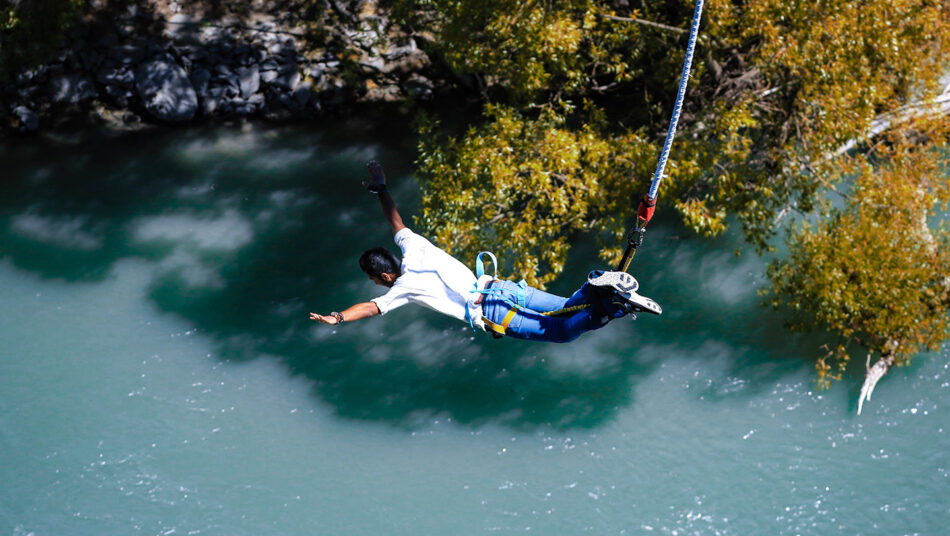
<point>381,266</point>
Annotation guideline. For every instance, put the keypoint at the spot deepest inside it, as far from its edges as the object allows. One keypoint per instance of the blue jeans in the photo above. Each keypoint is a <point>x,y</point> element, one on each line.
<point>529,324</point>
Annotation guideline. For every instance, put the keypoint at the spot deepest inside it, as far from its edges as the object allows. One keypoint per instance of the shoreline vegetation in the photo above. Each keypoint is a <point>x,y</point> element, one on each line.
<point>825,124</point>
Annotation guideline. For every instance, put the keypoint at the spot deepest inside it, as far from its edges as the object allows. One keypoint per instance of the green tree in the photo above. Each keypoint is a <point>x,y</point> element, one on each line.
<point>528,51</point>
<point>876,271</point>
<point>578,92</point>
<point>31,30</point>
<point>805,79</point>
<point>783,86</point>
<point>526,186</point>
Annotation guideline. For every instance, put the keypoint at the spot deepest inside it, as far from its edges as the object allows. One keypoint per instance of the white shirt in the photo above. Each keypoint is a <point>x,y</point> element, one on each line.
<point>433,278</point>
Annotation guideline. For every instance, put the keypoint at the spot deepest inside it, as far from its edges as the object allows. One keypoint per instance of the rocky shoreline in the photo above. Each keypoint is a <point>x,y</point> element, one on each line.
<point>149,64</point>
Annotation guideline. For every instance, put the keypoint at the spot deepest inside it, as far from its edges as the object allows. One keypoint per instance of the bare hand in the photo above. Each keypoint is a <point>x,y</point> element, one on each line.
<point>377,179</point>
<point>324,319</point>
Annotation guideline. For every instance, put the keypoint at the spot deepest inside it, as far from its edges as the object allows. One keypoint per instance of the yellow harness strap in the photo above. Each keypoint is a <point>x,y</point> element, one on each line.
<point>501,328</point>
<point>566,310</point>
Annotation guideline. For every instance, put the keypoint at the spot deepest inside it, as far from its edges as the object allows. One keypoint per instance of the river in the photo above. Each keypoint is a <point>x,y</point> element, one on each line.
<point>159,375</point>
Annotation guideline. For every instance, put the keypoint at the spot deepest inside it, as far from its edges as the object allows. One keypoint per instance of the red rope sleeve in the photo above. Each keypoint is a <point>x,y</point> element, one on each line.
<point>645,212</point>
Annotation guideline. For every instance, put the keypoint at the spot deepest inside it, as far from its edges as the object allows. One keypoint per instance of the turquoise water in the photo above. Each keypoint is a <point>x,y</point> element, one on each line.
<point>158,373</point>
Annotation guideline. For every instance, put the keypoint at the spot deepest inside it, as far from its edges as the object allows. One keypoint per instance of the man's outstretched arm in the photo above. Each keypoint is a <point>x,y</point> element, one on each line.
<point>355,312</point>
<point>389,210</point>
<point>377,184</point>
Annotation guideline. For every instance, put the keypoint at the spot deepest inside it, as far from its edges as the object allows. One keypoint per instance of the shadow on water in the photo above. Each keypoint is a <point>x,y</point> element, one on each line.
<point>247,230</point>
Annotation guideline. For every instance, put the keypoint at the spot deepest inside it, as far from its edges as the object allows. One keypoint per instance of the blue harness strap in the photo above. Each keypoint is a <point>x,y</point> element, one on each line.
<point>480,265</point>
<point>521,295</point>
<point>522,290</point>
<point>479,272</point>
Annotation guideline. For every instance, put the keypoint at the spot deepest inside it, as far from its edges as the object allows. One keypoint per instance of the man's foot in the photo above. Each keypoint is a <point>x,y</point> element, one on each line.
<point>618,281</point>
<point>624,287</point>
<point>635,303</point>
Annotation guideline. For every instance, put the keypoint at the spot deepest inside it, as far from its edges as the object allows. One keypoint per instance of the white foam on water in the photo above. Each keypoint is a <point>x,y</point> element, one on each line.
<point>275,160</point>
<point>726,278</point>
<point>228,231</point>
<point>281,203</point>
<point>196,190</point>
<point>231,144</point>
<point>589,354</point>
<point>350,218</point>
<point>362,153</point>
<point>719,276</point>
<point>193,271</point>
<point>252,146</point>
<point>290,199</point>
<point>69,232</point>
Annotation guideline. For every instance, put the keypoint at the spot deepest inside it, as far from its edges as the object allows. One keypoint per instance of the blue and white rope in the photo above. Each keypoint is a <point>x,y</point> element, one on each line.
<point>661,165</point>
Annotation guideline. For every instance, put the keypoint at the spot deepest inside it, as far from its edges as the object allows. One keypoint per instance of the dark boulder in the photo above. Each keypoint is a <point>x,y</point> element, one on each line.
<point>165,90</point>
<point>73,89</point>
<point>29,120</point>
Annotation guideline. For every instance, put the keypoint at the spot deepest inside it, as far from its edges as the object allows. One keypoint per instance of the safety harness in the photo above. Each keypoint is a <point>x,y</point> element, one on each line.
<point>496,329</point>
<point>499,329</point>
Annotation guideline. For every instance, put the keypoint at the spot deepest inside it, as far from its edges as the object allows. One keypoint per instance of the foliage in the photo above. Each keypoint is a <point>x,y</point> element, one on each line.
<point>544,181</point>
<point>873,271</point>
<point>535,59</point>
<point>806,78</point>
<point>781,91</point>
<point>528,49</point>
<point>30,31</point>
<point>784,85</point>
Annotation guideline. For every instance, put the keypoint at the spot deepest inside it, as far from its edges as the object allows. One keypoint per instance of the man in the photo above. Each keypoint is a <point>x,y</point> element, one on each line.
<point>431,277</point>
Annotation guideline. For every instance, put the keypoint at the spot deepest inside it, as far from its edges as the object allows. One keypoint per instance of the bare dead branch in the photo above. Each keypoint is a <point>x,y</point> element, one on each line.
<point>646,23</point>
<point>874,375</point>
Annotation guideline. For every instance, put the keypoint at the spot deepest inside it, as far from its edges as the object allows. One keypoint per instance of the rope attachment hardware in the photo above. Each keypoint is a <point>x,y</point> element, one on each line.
<point>635,235</point>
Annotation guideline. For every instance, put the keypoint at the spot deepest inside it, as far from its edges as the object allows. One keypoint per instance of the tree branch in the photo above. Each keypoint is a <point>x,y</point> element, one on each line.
<point>875,373</point>
<point>645,23</point>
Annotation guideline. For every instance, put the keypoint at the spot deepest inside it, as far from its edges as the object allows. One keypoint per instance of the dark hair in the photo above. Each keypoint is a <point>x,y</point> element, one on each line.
<point>379,261</point>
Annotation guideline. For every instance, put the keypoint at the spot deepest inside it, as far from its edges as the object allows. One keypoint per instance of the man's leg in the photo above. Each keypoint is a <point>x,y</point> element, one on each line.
<point>538,300</point>
<point>529,324</point>
<point>532,326</point>
<point>534,299</point>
